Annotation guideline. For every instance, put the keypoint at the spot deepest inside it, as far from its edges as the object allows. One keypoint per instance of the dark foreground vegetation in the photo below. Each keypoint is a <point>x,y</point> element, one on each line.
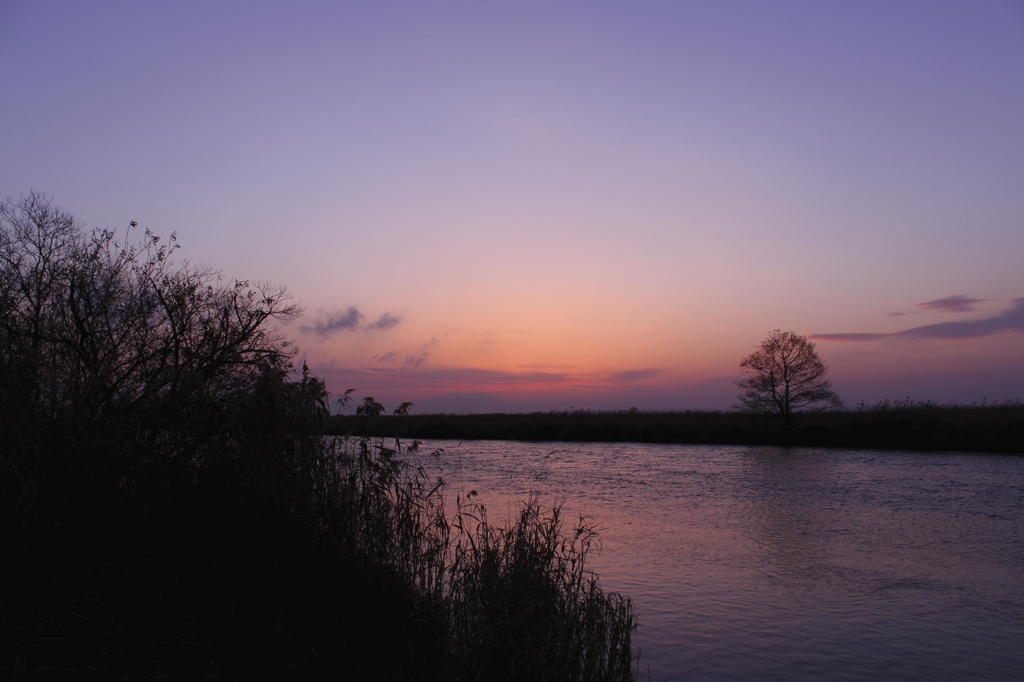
<point>170,507</point>
<point>900,425</point>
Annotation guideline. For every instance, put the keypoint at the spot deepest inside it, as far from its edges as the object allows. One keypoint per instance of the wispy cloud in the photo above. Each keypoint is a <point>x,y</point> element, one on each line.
<point>851,338</point>
<point>385,321</point>
<point>348,320</point>
<point>722,380</point>
<point>414,373</point>
<point>443,378</point>
<point>1010,320</point>
<point>385,358</point>
<point>421,355</point>
<point>414,361</point>
<point>951,304</point>
<point>341,321</point>
<point>632,375</point>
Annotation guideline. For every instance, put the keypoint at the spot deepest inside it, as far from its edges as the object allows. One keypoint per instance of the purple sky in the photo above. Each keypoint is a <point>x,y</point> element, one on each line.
<point>520,206</point>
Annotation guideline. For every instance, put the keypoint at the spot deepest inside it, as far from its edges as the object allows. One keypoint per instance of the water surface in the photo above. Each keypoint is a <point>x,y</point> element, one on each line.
<point>766,563</point>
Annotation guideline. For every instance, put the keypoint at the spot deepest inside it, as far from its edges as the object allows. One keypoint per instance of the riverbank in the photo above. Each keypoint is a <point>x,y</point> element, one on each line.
<point>299,557</point>
<point>170,507</point>
<point>887,426</point>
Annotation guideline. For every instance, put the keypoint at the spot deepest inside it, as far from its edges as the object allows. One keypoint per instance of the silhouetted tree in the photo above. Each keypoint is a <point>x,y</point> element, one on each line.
<point>113,357</point>
<point>154,437</point>
<point>103,326</point>
<point>785,375</point>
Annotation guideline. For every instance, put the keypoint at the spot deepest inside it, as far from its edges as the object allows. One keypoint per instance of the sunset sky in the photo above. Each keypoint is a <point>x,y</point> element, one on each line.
<point>491,206</point>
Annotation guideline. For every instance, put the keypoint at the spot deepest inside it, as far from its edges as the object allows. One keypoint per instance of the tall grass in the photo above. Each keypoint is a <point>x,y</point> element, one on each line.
<point>511,602</point>
<point>170,503</point>
<point>521,604</point>
<point>343,545</point>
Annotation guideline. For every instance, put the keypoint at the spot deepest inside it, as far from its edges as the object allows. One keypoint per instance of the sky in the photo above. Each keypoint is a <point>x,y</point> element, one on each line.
<point>517,206</point>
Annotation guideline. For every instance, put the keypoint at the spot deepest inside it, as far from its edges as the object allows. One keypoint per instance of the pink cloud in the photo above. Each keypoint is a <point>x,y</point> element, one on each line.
<point>951,304</point>
<point>1010,320</point>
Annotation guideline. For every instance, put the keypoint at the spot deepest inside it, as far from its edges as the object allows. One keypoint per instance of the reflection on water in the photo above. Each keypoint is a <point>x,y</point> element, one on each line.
<point>790,564</point>
<point>790,527</point>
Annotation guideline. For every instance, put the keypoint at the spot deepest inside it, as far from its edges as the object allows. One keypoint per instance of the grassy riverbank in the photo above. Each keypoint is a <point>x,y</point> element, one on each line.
<point>899,426</point>
<point>358,572</point>
<point>171,508</point>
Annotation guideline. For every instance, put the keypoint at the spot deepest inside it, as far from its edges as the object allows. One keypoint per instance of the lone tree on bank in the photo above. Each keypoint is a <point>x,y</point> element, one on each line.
<point>785,375</point>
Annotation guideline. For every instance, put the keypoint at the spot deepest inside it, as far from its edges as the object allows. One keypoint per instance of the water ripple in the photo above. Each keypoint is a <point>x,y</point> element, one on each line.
<point>761,563</point>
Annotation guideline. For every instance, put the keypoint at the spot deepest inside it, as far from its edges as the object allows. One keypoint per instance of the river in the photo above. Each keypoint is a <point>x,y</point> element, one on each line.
<point>767,563</point>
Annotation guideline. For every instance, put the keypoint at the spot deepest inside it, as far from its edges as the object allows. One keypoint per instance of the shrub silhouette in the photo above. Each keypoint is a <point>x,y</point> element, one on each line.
<point>166,471</point>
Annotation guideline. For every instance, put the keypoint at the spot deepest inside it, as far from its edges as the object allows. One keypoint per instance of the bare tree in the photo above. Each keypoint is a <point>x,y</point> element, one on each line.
<point>785,375</point>
<point>96,326</point>
<point>123,372</point>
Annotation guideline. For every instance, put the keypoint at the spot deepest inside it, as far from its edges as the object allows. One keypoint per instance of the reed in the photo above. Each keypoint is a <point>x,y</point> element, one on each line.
<point>521,605</point>
<point>170,503</point>
<point>508,602</point>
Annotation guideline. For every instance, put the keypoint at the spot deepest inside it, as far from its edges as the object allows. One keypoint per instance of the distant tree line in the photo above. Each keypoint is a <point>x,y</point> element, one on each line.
<point>785,399</point>
<point>899,425</point>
